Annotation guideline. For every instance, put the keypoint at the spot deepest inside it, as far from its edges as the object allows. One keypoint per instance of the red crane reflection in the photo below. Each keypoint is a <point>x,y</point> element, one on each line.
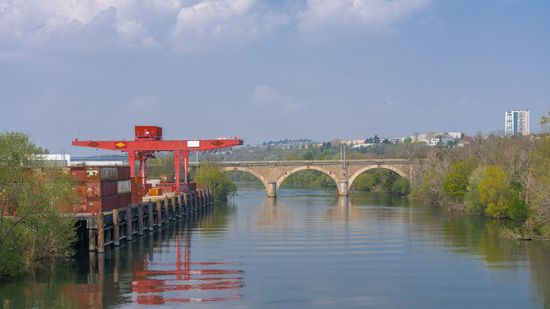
<point>159,286</point>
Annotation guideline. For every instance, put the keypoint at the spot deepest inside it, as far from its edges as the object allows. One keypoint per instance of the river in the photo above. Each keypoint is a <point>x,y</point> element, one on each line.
<point>307,248</point>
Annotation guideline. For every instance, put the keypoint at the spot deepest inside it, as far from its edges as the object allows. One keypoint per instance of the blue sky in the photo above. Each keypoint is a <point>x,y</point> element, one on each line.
<point>265,70</point>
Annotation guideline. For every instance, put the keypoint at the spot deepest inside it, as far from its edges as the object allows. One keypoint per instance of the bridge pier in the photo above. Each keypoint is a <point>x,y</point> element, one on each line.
<point>343,188</point>
<point>272,189</point>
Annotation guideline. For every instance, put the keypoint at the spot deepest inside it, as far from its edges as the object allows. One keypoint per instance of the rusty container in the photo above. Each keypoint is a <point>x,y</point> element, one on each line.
<point>81,205</point>
<point>79,173</point>
<point>96,189</point>
<point>124,200</point>
<point>92,174</point>
<point>104,203</point>
<point>93,189</point>
<point>123,172</point>
<point>124,186</point>
<point>108,173</point>
<point>109,188</point>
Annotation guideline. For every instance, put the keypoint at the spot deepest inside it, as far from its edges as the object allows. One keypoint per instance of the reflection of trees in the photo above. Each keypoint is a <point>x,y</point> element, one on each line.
<point>105,280</point>
<point>480,236</point>
<point>216,219</point>
<point>538,254</point>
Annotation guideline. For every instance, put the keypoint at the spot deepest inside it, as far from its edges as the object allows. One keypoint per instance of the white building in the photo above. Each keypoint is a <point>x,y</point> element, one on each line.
<point>61,160</point>
<point>516,122</point>
<point>455,135</point>
<point>352,142</point>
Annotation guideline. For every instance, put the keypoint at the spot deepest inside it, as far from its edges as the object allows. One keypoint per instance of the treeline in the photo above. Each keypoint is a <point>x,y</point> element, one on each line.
<point>382,180</point>
<point>499,177</point>
<point>33,224</point>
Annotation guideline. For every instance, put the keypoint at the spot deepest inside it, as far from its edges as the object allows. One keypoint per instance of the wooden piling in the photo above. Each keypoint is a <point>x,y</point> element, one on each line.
<point>159,214</point>
<point>92,240</point>
<point>173,207</point>
<point>116,228</point>
<point>140,219</point>
<point>186,202</point>
<point>166,210</point>
<point>150,217</point>
<point>178,205</point>
<point>100,233</point>
<point>129,228</point>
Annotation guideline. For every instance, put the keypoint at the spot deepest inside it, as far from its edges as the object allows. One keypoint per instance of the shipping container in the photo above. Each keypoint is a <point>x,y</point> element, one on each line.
<point>155,191</point>
<point>108,173</point>
<point>81,190</point>
<point>124,186</point>
<point>109,188</point>
<point>79,174</point>
<point>81,205</point>
<point>148,132</point>
<point>104,203</point>
<point>124,200</point>
<point>123,172</point>
<point>136,199</point>
<point>95,189</point>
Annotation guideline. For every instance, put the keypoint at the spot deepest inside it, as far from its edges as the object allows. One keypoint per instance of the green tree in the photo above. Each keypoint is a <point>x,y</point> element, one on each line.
<point>545,121</point>
<point>492,191</point>
<point>308,156</point>
<point>472,199</point>
<point>517,209</point>
<point>210,175</point>
<point>33,199</point>
<point>539,195</point>
<point>456,181</point>
<point>401,186</point>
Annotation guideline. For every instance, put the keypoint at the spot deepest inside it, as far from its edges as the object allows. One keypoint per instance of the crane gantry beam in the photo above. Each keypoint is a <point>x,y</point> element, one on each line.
<point>148,140</point>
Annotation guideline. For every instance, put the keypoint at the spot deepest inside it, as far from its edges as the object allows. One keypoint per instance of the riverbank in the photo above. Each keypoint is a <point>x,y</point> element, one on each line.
<point>498,177</point>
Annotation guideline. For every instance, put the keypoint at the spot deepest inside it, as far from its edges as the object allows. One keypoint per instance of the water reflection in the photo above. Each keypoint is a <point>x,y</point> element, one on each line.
<point>142,272</point>
<point>154,284</point>
<point>304,248</point>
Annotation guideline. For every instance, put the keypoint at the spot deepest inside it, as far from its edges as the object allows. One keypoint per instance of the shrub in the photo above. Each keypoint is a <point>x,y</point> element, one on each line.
<point>493,190</point>
<point>210,175</point>
<point>401,186</point>
<point>472,199</point>
<point>32,224</point>
<point>455,183</point>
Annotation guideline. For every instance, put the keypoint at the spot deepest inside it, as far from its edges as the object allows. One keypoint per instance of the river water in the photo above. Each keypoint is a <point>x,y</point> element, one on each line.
<point>308,248</point>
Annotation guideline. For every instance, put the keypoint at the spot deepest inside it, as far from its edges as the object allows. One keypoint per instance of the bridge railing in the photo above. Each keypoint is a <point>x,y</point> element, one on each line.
<point>309,162</point>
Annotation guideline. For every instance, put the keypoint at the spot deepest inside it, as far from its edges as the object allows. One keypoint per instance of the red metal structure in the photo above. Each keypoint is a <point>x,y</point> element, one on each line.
<point>148,140</point>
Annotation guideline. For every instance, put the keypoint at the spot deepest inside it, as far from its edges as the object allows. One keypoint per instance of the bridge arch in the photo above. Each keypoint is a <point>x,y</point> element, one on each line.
<point>285,175</point>
<point>247,170</point>
<point>394,169</point>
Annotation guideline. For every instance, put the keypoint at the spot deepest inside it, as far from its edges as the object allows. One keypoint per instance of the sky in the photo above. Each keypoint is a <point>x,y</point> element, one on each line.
<point>268,70</point>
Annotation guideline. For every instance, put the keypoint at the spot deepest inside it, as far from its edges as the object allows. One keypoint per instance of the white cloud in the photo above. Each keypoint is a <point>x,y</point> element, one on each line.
<point>183,22</point>
<point>321,14</point>
<point>211,16</point>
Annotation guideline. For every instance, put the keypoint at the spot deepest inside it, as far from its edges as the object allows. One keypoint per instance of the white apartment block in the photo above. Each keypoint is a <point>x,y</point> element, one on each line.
<point>516,122</point>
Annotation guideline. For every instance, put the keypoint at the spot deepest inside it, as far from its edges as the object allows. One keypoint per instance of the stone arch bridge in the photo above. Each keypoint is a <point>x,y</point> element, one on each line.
<point>272,174</point>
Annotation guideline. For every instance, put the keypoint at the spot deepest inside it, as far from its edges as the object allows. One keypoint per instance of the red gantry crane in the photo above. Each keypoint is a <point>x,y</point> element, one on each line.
<point>148,140</point>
